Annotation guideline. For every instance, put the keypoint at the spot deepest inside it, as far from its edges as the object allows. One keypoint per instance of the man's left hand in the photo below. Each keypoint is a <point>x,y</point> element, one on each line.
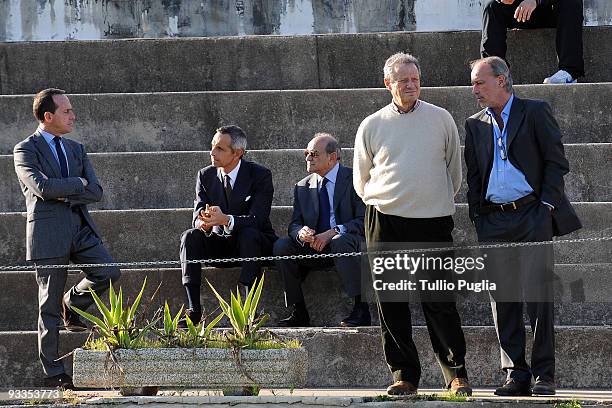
<point>213,216</point>
<point>524,10</point>
<point>321,240</point>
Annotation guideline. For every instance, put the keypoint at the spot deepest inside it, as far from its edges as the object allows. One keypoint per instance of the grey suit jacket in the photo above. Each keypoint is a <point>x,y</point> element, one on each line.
<point>48,231</point>
<point>349,209</point>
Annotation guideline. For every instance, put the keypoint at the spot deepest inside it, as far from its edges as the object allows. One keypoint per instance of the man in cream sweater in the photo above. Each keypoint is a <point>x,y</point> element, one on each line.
<point>407,170</point>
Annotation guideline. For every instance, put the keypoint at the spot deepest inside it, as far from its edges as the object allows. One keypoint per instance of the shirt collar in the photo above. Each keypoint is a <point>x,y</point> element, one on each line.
<point>330,176</point>
<point>505,113</point>
<point>398,110</point>
<point>233,174</point>
<point>48,136</point>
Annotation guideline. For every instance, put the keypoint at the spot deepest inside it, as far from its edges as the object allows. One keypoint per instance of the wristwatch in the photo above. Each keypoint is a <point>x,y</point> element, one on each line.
<point>337,229</point>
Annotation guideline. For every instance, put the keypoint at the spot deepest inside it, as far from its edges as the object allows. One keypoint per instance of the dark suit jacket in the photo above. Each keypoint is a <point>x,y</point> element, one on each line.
<point>48,231</point>
<point>349,210</point>
<point>534,147</point>
<point>251,199</point>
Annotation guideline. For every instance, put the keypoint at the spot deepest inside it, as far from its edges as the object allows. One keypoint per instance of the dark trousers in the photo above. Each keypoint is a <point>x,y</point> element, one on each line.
<point>442,318</point>
<point>86,248</point>
<point>565,15</point>
<point>522,274</point>
<point>244,243</point>
<point>294,271</point>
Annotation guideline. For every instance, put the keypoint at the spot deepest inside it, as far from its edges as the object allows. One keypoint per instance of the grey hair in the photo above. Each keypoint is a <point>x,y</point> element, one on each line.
<point>332,143</point>
<point>499,67</point>
<point>399,58</point>
<point>239,139</point>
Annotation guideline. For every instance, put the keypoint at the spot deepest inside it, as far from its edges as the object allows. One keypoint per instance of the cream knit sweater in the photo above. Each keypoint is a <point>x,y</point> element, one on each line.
<point>408,164</point>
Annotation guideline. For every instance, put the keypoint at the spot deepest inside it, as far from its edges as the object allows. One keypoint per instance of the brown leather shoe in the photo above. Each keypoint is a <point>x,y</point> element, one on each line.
<point>401,388</point>
<point>460,386</point>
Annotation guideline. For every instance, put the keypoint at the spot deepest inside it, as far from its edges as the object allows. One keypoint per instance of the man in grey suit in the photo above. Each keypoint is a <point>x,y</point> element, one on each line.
<point>327,218</point>
<point>58,182</point>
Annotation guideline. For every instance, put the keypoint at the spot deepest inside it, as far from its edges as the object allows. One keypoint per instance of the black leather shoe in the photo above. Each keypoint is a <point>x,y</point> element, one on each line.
<point>72,322</point>
<point>298,318</point>
<point>63,381</point>
<point>514,388</point>
<point>360,316</point>
<point>544,387</point>
<point>194,316</point>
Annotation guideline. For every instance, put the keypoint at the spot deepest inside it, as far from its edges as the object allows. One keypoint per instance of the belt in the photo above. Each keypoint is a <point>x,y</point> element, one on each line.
<point>511,206</point>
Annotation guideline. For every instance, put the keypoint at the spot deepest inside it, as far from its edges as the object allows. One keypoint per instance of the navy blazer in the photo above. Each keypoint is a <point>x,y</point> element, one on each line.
<point>534,147</point>
<point>349,209</point>
<point>251,200</point>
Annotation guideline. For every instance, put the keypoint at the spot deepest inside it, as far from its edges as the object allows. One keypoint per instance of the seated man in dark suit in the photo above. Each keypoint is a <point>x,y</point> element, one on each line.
<point>327,217</point>
<point>566,15</point>
<point>231,217</point>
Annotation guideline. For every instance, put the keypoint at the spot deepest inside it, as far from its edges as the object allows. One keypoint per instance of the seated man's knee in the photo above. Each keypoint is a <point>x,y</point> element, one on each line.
<point>283,246</point>
<point>491,6</point>
<point>342,243</point>
<point>191,235</point>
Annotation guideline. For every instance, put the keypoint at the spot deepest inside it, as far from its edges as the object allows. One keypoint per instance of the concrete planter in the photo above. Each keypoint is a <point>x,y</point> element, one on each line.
<point>197,368</point>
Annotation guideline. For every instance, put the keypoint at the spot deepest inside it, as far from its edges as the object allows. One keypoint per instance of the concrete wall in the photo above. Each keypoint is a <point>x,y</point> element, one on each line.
<point>29,20</point>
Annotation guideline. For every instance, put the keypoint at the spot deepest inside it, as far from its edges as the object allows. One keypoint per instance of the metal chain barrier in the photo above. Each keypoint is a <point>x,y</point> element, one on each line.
<point>132,265</point>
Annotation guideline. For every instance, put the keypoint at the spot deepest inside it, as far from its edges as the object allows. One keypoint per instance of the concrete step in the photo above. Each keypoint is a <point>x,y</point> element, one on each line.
<point>279,119</point>
<point>353,357</point>
<point>275,62</point>
<point>582,296</point>
<point>153,235</point>
<point>130,180</point>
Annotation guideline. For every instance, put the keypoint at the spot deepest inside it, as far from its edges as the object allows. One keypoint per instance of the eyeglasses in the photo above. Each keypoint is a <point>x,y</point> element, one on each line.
<point>502,148</point>
<point>314,154</point>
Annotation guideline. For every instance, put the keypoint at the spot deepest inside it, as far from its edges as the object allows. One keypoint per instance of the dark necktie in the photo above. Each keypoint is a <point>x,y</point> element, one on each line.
<point>61,157</point>
<point>228,188</point>
<point>324,208</point>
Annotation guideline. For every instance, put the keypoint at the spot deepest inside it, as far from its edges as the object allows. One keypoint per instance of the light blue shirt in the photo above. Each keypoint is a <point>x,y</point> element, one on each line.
<point>506,182</point>
<point>49,139</point>
<point>331,177</point>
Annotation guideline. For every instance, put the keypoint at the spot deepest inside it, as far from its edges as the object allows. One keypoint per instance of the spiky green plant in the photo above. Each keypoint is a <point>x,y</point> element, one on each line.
<point>117,327</point>
<point>243,317</point>
<point>197,335</point>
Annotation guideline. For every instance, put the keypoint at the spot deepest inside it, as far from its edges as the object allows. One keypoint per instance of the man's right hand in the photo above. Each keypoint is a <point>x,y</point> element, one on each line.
<point>306,234</point>
<point>201,220</point>
<point>524,10</point>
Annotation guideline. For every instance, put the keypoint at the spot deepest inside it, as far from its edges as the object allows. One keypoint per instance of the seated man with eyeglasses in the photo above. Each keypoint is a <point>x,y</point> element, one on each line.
<point>327,218</point>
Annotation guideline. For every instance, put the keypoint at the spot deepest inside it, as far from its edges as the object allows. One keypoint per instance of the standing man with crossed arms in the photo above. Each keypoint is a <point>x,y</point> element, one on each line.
<point>58,182</point>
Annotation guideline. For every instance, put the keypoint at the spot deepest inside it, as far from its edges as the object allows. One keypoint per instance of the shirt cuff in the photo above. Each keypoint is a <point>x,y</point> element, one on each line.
<point>227,229</point>
<point>342,229</point>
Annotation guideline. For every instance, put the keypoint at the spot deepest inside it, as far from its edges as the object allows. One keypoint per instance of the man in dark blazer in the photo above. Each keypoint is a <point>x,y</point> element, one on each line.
<point>327,218</point>
<point>58,182</point>
<point>515,167</point>
<point>231,216</point>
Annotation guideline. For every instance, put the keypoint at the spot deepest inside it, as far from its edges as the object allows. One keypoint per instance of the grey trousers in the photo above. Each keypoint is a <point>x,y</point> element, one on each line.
<point>349,268</point>
<point>86,248</point>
